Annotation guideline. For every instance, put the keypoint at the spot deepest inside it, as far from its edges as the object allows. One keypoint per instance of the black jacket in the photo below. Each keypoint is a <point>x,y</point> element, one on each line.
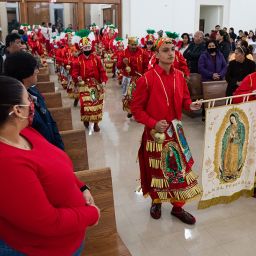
<point>43,121</point>
<point>225,48</point>
<point>192,55</point>
<point>237,72</point>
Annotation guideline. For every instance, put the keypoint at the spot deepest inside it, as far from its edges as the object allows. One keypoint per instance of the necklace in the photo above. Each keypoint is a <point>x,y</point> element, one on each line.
<point>23,146</point>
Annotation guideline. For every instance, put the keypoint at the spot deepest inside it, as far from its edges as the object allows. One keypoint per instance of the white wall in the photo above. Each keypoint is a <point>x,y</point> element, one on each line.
<point>242,15</point>
<point>167,15</point>
<point>173,15</point>
<point>224,21</point>
<point>126,18</point>
<point>212,15</point>
<point>3,20</point>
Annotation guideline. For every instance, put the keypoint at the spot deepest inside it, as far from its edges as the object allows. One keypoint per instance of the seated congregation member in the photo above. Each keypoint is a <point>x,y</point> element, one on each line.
<point>12,44</point>
<point>184,44</point>
<point>238,69</point>
<point>24,67</point>
<point>248,85</point>
<point>194,50</point>
<point>247,46</point>
<point>45,209</point>
<point>212,65</point>
<point>224,45</point>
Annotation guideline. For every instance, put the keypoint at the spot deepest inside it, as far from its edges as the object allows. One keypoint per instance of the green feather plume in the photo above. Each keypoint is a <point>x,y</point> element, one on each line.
<point>172,35</point>
<point>83,33</point>
<point>151,31</point>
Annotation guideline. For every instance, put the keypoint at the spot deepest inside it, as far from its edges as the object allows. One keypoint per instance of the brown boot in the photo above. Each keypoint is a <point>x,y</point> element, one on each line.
<point>96,127</point>
<point>155,211</point>
<point>86,124</point>
<point>182,215</point>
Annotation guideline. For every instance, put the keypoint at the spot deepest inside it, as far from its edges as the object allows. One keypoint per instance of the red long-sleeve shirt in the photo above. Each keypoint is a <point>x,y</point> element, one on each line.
<point>90,67</point>
<point>42,211</point>
<point>150,103</point>
<point>248,85</point>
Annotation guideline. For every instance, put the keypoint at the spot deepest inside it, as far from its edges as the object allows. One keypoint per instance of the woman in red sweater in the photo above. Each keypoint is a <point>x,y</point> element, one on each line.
<point>43,211</point>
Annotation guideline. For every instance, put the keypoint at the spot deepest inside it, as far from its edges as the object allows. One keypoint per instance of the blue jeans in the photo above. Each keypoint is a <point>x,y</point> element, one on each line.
<point>5,250</point>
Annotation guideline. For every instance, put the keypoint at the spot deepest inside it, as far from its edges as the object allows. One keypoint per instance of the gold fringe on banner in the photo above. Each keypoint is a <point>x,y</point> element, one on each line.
<point>154,163</point>
<point>190,177</point>
<point>159,183</point>
<point>92,118</point>
<point>152,146</point>
<point>93,108</point>
<point>225,199</point>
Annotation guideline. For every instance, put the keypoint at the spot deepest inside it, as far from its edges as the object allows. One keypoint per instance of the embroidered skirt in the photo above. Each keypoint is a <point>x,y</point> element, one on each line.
<point>165,166</point>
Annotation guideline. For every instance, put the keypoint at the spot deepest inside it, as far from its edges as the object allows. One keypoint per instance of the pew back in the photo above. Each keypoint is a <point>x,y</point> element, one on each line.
<point>103,239</point>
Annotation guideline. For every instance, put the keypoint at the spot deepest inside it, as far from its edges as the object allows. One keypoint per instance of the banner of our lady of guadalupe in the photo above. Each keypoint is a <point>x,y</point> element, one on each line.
<point>229,161</point>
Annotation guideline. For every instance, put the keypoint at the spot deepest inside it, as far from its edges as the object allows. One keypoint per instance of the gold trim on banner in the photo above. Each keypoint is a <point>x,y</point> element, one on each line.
<point>159,183</point>
<point>225,199</point>
<point>152,146</point>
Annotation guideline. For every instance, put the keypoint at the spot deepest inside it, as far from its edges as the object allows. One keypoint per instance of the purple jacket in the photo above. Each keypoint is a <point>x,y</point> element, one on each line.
<point>206,66</point>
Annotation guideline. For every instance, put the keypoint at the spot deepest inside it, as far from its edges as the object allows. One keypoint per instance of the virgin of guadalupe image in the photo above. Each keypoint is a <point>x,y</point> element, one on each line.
<point>173,167</point>
<point>232,149</point>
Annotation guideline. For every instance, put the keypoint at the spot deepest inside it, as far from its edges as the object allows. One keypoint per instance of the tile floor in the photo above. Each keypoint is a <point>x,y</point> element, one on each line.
<point>222,230</point>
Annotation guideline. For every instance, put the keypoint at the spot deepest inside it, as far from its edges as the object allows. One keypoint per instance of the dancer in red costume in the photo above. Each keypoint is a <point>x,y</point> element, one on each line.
<point>89,74</point>
<point>164,156</point>
<point>132,65</point>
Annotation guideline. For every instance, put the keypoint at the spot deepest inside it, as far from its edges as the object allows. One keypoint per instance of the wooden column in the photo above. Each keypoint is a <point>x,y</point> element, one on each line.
<point>80,12</point>
<point>23,11</point>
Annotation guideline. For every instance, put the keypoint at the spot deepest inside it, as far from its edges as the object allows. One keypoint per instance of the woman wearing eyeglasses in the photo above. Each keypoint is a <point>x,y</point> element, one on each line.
<point>45,209</point>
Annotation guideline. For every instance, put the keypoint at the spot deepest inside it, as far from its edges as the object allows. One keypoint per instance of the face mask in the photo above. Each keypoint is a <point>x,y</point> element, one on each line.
<point>31,113</point>
<point>87,53</point>
<point>211,50</point>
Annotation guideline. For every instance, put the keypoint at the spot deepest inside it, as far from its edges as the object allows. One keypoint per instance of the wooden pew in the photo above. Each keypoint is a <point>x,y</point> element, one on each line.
<point>196,93</point>
<point>195,86</point>
<point>63,118</point>
<point>43,77</point>
<point>103,239</point>
<point>43,71</point>
<point>213,90</point>
<point>53,99</point>
<point>76,148</point>
<point>44,87</point>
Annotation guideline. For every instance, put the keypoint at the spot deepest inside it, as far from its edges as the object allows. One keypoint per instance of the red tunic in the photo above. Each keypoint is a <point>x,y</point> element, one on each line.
<point>165,167</point>
<point>248,85</point>
<point>150,106</point>
<point>135,62</point>
<point>91,94</point>
<point>147,55</point>
<point>42,211</point>
<point>90,67</point>
<point>36,47</point>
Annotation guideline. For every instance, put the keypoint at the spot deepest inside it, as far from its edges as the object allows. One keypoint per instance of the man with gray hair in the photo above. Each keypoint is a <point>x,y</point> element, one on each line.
<point>194,51</point>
